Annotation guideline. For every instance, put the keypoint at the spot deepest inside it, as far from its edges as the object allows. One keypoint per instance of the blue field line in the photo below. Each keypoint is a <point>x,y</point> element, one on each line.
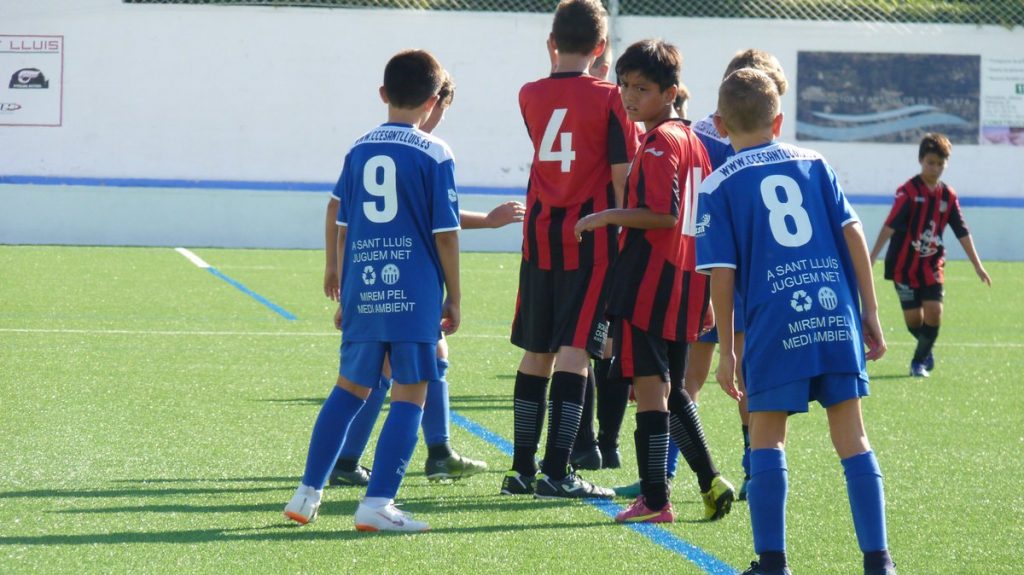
<point>276,308</point>
<point>286,186</point>
<point>709,563</point>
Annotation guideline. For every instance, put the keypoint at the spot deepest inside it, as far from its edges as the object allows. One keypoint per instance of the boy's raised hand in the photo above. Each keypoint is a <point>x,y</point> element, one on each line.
<point>505,214</point>
<point>873,337</point>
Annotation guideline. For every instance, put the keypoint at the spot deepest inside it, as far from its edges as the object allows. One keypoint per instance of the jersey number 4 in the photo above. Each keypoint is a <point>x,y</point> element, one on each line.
<point>379,180</point>
<point>547,144</point>
<point>791,209</point>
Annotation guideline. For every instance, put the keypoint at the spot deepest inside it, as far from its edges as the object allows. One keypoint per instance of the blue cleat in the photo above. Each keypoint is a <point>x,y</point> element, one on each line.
<point>918,369</point>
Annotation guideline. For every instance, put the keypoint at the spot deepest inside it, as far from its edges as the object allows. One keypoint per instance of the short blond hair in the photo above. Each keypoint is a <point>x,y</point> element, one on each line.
<point>759,60</point>
<point>748,101</point>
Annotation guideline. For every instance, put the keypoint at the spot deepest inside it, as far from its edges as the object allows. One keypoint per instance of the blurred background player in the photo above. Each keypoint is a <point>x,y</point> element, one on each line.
<point>582,144</point>
<point>770,210</point>
<point>923,207</point>
<point>443,462</point>
<point>656,314</point>
<point>396,188</point>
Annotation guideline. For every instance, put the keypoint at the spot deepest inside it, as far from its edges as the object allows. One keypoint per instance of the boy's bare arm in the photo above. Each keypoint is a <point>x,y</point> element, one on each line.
<point>619,174</point>
<point>883,236</point>
<point>331,274</point>
<point>723,282</point>
<point>968,244</point>
<point>448,250</point>
<point>872,327</point>
<point>501,215</point>
<point>640,218</point>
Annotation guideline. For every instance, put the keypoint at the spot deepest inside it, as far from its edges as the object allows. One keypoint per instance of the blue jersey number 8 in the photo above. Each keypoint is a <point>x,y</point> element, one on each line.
<point>792,207</point>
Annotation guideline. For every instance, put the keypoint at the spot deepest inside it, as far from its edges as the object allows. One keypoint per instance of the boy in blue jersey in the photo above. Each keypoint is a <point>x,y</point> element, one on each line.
<point>398,253</point>
<point>698,361</point>
<point>775,227</point>
<point>443,462</point>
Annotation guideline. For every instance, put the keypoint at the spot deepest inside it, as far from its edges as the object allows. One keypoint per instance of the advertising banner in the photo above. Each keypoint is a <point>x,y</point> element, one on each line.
<point>1002,105</point>
<point>892,98</point>
<point>31,80</point>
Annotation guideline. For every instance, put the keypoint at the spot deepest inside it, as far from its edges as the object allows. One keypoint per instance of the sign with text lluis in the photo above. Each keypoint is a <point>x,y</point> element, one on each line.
<point>896,98</point>
<point>31,80</point>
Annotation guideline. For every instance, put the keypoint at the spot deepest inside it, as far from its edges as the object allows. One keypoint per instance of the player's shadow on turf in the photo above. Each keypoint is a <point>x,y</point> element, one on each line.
<point>178,508</point>
<point>297,400</point>
<point>112,493</point>
<point>286,479</point>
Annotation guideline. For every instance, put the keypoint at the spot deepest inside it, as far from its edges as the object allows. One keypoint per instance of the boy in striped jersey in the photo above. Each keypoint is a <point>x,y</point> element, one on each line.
<point>924,206</point>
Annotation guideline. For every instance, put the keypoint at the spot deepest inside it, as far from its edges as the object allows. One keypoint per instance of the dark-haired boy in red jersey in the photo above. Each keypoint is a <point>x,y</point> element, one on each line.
<point>582,144</point>
<point>924,206</point>
<point>656,300</point>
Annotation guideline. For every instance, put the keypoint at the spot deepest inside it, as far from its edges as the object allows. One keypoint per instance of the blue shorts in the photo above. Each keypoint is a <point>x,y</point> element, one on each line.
<point>411,362</point>
<point>827,389</point>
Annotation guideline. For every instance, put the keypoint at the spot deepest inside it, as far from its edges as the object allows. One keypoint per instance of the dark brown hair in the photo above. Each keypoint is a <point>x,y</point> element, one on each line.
<point>935,143</point>
<point>411,77</point>
<point>579,26</point>
<point>656,60</point>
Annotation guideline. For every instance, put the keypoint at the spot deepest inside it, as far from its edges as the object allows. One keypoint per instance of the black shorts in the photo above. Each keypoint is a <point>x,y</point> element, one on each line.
<point>641,354</point>
<point>558,308</point>
<point>911,298</point>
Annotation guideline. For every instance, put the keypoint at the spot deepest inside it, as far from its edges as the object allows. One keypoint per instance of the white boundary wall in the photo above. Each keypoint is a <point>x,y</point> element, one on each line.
<point>275,94</point>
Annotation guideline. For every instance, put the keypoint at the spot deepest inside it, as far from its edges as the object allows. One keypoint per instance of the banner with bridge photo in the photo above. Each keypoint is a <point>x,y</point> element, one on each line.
<point>890,98</point>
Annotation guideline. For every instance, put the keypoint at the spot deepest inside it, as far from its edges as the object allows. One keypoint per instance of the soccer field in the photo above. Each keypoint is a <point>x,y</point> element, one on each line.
<point>155,419</point>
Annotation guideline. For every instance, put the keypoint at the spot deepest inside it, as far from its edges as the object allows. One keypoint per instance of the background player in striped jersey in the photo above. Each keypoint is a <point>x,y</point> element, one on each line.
<point>776,227</point>
<point>398,254</point>
<point>443,462</point>
<point>582,143</point>
<point>923,207</point>
<point>656,306</point>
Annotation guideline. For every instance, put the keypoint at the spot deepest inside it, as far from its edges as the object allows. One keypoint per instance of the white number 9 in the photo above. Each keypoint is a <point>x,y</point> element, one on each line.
<point>382,186</point>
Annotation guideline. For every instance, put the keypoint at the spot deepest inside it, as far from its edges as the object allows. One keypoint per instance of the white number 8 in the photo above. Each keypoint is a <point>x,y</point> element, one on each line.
<point>792,207</point>
<point>385,189</point>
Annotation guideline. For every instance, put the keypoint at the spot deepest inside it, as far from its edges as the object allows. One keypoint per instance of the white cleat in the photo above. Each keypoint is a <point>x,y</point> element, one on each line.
<point>303,507</point>
<point>387,518</point>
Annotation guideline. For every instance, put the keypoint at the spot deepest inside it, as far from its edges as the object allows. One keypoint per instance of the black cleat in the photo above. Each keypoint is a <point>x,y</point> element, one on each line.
<point>756,569</point>
<point>589,458</point>
<point>515,484</point>
<point>571,487</point>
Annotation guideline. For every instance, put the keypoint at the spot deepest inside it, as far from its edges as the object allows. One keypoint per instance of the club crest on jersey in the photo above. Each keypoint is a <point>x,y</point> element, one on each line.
<point>928,244</point>
<point>452,195</point>
<point>703,224</point>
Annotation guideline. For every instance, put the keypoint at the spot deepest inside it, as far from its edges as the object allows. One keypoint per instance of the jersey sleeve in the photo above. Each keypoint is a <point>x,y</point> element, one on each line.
<point>899,215</point>
<point>659,166</point>
<point>343,191</point>
<point>445,198</point>
<point>716,247</point>
<point>846,213</point>
<point>623,135</point>
<point>956,216</point>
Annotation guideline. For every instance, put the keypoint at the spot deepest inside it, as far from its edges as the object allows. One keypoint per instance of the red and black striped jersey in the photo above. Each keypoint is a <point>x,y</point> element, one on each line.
<point>654,284</point>
<point>919,215</point>
<point>579,130</point>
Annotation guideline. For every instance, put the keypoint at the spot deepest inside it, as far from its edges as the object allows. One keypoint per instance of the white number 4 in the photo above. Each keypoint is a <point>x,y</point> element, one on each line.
<point>547,144</point>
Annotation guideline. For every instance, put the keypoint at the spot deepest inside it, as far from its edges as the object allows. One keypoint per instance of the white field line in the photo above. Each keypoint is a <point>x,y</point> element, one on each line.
<point>192,257</point>
<point>204,333</point>
<point>1011,345</point>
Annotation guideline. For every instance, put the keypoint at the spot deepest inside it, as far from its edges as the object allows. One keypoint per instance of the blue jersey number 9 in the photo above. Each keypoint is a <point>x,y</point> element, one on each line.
<point>379,180</point>
<point>778,210</point>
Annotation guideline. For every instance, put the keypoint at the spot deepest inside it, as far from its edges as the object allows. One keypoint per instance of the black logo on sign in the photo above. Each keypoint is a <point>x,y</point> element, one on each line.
<point>31,78</point>
<point>9,106</point>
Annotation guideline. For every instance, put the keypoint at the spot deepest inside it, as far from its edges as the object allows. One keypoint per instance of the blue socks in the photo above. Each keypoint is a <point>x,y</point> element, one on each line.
<point>673,458</point>
<point>362,426</point>
<point>329,431</point>
<point>436,412</point>
<point>867,500</point>
<point>766,496</point>
<point>394,449</point>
